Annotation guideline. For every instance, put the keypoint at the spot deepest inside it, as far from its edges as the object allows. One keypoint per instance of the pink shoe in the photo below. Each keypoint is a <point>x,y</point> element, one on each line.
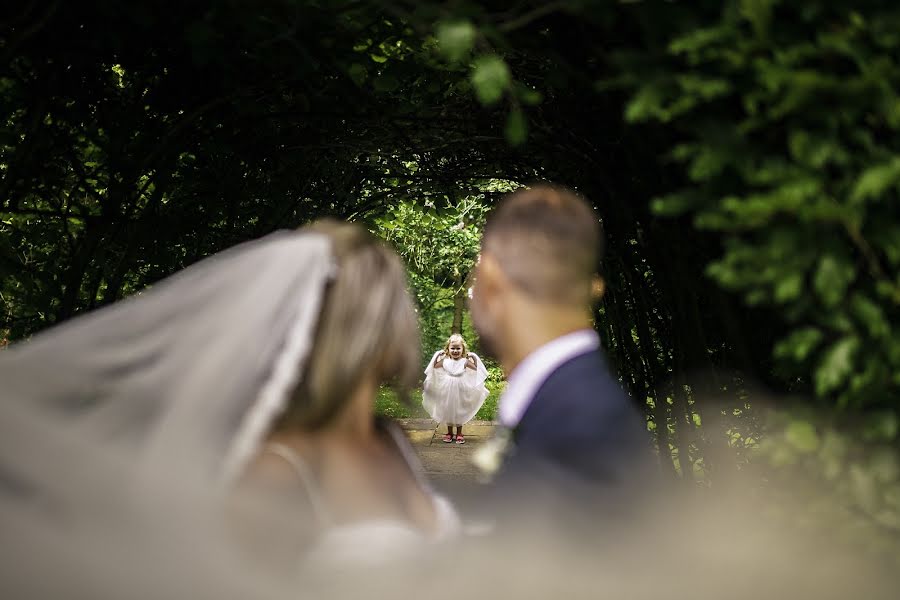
<point>448,438</point>
<point>460,439</point>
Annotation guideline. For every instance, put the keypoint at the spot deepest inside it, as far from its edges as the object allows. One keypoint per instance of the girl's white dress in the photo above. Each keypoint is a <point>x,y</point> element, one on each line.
<point>453,394</point>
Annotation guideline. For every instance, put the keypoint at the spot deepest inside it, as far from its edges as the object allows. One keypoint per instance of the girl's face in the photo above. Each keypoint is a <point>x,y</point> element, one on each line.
<point>456,350</point>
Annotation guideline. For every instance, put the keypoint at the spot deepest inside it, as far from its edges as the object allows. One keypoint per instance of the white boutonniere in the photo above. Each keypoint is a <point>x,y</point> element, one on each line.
<point>490,456</point>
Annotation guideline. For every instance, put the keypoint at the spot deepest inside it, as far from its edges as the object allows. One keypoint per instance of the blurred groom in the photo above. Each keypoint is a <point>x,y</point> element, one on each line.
<point>576,438</point>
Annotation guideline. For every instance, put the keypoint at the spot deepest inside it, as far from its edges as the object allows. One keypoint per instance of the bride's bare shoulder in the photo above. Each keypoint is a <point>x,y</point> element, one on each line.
<point>275,471</point>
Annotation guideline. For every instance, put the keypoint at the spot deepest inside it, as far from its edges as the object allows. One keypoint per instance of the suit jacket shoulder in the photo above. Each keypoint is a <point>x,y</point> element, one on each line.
<point>581,420</point>
<point>581,454</point>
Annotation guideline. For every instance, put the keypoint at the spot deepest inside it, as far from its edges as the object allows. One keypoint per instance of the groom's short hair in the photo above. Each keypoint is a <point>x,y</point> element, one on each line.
<point>547,239</point>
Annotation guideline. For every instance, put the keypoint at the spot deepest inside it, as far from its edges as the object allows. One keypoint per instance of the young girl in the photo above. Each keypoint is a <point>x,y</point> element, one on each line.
<point>454,387</point>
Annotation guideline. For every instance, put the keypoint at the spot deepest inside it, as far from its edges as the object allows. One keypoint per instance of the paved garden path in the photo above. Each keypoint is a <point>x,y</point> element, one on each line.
<point>448,467</point>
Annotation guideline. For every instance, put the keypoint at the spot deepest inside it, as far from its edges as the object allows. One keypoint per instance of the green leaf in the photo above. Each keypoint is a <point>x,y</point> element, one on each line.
<point>877,180</point>
<point>802,436</point>
<point>490,78</point>
<point>644,105</point>
<point>707,163</point>
<point>455,39</point>
<point>705,88</point>
<point>516,127</point>
<point>871,315</point>
<point>836,365</point>
<point>673,204</point>
<point>799,344</point>
<point>789,288</point>
<point>832,278</point>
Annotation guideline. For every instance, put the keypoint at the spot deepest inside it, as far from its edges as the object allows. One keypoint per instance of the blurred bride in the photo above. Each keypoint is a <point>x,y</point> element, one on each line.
<point>355,476</point>
<point>240,390</point>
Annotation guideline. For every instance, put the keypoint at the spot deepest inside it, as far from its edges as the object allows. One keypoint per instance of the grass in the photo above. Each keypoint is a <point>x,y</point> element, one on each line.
<point>388,405</point>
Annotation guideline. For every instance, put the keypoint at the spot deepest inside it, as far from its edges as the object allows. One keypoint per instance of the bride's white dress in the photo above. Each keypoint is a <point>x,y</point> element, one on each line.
<point>376,541</point>
<point>453,394</point>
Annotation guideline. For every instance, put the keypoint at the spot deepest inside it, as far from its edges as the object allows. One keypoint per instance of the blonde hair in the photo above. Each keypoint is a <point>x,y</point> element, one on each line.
<point>367,312</point>
<point>456,338</point>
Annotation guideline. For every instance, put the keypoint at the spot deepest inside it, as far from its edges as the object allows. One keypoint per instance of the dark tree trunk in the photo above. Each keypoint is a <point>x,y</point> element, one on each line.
<point>75,273</point>
<point>459,307</point>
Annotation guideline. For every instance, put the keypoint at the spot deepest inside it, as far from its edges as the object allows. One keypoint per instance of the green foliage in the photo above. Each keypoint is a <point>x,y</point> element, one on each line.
<point>388,405</point>
<point>832,278</point>
<point>455,39</point>
<point>440,244</point>
<point>788,116</point>
<point>836,365</point>
<point>490,75</point>
<point>136,141</point>
<point>490,79</point>
<point>495,373</point>
<point>799,344</point>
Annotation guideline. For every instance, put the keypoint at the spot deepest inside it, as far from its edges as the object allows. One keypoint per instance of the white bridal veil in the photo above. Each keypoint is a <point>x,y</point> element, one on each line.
<point>118,428</point>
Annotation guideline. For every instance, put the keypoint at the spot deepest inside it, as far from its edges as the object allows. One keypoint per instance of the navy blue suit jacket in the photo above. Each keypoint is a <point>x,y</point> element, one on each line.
<point>581,442</point>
